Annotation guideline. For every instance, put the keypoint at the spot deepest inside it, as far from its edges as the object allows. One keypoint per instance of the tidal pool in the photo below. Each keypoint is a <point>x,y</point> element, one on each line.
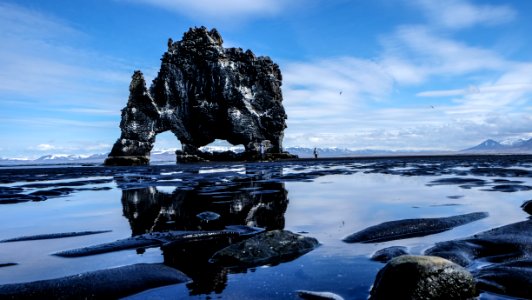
<point>325,199</point>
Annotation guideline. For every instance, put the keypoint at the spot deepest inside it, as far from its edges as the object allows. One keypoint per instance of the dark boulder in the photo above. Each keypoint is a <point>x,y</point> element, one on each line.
<point>512,279</point>
<point>386,254</point>
<point>408,228</point>
<point>502,244</point>
<point>527,206</point>
<point>103,284</point>
<point>423,277</point>
<point>508,249</point>
<point>204,92</point>
<point>53,236</point>
<point>271,247</point>
<point>167,238</point>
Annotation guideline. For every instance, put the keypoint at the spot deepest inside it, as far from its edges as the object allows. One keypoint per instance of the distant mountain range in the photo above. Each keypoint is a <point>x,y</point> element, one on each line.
<point>168,155</point>
<point>491,146</point>
<point>342,152</point>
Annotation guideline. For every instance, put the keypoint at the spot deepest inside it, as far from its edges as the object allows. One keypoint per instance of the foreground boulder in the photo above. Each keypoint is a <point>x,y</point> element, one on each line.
<point>502,244</point>
<point>52,236</point>
<point>508,249</point>
<point>423,277</point>
<point>204,92</point>
<point>168,238</point>
<point>527,207</point>
<point>103,284</point>
<point>386,254</point>
<point>408,228</point>
<point>271,247</point>
<point>512,279</point>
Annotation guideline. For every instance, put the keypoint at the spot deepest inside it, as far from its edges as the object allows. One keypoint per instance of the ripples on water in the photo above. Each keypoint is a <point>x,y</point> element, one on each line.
<point>325,199</point>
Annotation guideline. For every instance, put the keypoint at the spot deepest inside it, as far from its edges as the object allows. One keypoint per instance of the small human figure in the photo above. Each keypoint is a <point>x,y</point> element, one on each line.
<point>261,147</point>
<point>315,152</point>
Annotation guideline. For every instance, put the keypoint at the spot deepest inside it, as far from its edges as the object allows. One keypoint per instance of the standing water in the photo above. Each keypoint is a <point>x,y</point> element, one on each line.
<point>324,199</point>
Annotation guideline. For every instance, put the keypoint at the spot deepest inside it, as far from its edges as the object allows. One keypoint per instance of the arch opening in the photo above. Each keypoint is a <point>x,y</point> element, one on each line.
<point>222,146</point>
<point>164,147</point>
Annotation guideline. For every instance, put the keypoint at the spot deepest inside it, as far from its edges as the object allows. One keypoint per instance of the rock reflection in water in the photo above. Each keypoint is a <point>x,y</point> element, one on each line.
<point>254,201</point>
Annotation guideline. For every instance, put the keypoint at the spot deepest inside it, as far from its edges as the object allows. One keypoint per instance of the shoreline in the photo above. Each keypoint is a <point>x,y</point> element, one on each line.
<point>291,160</point>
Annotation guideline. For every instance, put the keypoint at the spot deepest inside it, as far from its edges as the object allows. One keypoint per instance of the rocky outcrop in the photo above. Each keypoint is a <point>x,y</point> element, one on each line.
<point>156,239</point>
<point>527,206</point>
<point>511,279</point>
<point>408,228</point>
<point>388,253</point>
<point>502,244</point>
<point>508,252</point>
<point>204,92</point>
<point>423,277</point>
<point>103,284</point>
<point>271,247</point>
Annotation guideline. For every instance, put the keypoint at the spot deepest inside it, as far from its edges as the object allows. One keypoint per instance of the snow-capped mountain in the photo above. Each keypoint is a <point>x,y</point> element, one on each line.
<point>303,152</point>
<point>169,156</point>
<point>488,145</point>
<point>236,149</point>
<point>508,146</point>
<point>70,157</point>
<point>56,159</point>
<point>513,142</point>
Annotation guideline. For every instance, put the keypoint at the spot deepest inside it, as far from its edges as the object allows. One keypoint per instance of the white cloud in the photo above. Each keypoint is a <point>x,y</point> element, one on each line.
<point>472,89</point>
<point>91,111</point>
<point>72,147</point>
<point>457,14</point>
<point>98,147</point>
<point>413,54</point>
<point>28,20</point>
<point>494,105</point>
<point>227,9</point>
<point>45,147</point>
<point>333,87</point>
<point>38,60</point>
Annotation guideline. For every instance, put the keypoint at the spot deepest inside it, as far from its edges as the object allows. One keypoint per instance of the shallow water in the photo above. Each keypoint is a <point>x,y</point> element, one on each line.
<point>325,199</point>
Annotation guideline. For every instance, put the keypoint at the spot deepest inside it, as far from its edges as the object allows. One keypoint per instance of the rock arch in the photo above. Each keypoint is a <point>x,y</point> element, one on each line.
<point>203,92</point>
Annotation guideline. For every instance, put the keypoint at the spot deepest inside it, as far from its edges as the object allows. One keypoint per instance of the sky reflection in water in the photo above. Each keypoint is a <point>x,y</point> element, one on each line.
<point>327,207</point>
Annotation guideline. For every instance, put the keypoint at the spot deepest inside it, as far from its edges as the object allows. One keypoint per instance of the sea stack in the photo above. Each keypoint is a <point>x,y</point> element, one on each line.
<point>204,92</point>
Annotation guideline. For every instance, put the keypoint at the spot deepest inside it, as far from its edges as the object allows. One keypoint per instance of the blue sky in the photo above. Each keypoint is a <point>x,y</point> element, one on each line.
<point>413,74</point>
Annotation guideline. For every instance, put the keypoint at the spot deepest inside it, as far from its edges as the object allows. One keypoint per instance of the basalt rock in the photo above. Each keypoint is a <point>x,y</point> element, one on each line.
<point>155,239</point>
<point>387,254</point>
<point>512,279</point>
<point>507,250</point>
<point>103,284</point>
<point>527,206</point>
<point>270,247</point>
<point>408,228</point>
<point>423,277</point>
<point>204,92</point>
<point>53,236</point>
<point>502,244</point>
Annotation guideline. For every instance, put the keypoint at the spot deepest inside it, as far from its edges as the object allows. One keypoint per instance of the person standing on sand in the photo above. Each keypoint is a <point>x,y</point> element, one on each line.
<point>315,152</point>
<point>261,147</point>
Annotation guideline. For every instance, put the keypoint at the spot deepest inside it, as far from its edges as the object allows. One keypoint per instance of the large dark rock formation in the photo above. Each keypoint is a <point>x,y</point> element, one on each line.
<point>204,92</point>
